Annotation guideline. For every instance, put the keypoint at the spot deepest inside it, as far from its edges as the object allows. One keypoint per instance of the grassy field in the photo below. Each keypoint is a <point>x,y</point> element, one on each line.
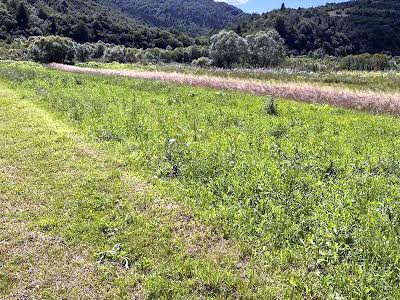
<point>357,80</point>
<point>178,192</point>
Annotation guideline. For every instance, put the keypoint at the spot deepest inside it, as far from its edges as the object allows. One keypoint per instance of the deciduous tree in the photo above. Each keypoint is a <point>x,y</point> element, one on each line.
<point>228,49</point>
<point>265,49</point>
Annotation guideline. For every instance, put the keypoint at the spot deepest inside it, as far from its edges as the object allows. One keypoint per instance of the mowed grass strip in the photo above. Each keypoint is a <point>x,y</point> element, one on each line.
<point>36,172</point>
<point>305,197</point>
<point>76,225</point>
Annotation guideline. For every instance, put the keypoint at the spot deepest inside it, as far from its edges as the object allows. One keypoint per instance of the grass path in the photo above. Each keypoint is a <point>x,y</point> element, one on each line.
<point>66,205</point>
<point>33,264</point>
<point>377,102</point>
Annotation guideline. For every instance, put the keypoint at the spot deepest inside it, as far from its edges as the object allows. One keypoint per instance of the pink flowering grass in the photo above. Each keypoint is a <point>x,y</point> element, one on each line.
<point>377,102</point>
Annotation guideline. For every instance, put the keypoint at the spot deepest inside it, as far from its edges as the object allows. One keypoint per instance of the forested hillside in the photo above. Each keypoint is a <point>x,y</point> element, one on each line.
<point>194,16</point>
<point>352,27</point>
<point>335,29</point>
<point>83,21</point>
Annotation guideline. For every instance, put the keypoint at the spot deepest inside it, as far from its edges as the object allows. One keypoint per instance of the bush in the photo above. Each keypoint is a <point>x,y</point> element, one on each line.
<point>13,54</point>
<point>394,63</point>
<point>99,49</point>
<point>116,53</point>
<point>204,62</point>
<point>271,108</point>
<point>366,62</point>
<point>84,52</point>
<point>308,64</point>
<point>52,49</point>
<point>130,56</point>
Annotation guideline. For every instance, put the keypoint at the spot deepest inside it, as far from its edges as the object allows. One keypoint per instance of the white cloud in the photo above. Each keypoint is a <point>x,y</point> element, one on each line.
<point>234,2</point>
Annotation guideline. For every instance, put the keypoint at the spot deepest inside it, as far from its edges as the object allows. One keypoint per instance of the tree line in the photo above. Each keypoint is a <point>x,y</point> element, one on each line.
<point>354,27</point>
<point>82,21</point>
<point>227,50</point>
<point>190,16</point>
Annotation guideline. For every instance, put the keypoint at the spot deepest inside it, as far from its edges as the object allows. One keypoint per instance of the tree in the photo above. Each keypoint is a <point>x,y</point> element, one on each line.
<point>42,14</point>
<point>227,48</point>
<point>116,53</point>
<point>283,7</point>
<point>84,51</point>
<point>22,16</point>
<point>266,49</point>
<point>52,49</point>
<point>53,26</point>
<point>99,49</point>
<point>81,32</point>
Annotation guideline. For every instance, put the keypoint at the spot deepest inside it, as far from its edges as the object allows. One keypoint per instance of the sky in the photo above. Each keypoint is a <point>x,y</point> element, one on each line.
<point>260,6</point>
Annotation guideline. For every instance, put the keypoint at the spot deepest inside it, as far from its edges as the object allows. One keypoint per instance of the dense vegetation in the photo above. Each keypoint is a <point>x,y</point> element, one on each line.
<point>264,49</point>
<point>83,21</point>
<point>193,16</point>
<point>309,192</point>
<point>65,50</point>
<point>352,27</point>
<point>227,49</point>
<point>323,72</point>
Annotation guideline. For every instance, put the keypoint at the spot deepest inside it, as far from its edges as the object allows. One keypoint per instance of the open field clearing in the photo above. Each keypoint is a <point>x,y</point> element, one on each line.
<point>159,190</point>
<point>76,224</point>
<point>378,102</point>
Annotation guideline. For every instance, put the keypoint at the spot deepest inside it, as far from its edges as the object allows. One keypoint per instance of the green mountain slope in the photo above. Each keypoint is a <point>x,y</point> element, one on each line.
<point>194,16</point>
<point>83,21</point>
<point>336,29</point>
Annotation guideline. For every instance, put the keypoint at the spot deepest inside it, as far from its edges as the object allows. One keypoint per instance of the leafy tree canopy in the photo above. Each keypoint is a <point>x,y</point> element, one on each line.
<point>83,21</point>
<point>352,27</point>
<point>192,16</point>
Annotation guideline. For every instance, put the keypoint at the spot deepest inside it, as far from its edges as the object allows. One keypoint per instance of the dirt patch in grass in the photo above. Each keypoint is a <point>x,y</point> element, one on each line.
<point>135,184</point>
<point>201,240</point>
<point>36,266</point>
<point>41,266</point>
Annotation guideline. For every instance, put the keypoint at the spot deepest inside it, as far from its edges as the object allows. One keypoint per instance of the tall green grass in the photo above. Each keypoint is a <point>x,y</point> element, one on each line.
<point>357,80</point>
<point>310,188</point>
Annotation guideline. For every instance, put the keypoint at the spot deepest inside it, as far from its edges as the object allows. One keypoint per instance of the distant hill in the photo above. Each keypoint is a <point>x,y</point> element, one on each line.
<point>194,16</point>
<point>352,27</point>
<point>82,20</point>
<point>334,29</point>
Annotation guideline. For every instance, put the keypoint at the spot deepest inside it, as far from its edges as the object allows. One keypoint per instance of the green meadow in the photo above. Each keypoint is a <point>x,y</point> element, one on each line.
<point>385,81</point>
<point>179,192</point>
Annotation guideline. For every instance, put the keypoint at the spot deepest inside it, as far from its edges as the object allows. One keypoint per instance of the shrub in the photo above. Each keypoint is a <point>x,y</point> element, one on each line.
<point>52,49</point>
<point>202,62</point>
<point>271,107</point>
<point>366,62</point>
<point>84,52</point>
<point>394,63</point>
<point>99,49</point>
<point>116,53</point>
<point>165,56</point>
<point>146,56</point>
<point>130,56</point>
<point>14,54</point>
